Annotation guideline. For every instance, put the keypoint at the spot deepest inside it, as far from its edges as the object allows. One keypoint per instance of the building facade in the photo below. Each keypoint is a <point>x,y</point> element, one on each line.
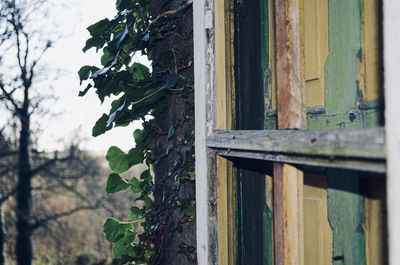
<point>297,142</point>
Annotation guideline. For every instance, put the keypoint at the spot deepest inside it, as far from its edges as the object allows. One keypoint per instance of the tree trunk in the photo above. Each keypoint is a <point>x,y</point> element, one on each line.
<point>2,238</point>
<point>176,241</point>
<point>23,248</point>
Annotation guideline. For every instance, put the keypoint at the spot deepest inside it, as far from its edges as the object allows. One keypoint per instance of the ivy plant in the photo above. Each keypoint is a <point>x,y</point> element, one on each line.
<point>138,93</point>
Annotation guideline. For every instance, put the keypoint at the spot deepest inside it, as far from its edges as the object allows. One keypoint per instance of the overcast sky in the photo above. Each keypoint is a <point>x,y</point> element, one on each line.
<point>79,113</point>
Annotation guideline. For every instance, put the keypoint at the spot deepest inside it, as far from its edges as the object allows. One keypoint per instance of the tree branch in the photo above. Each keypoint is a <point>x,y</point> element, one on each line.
<point>48,163</point>
<point>43,221</point>
<point>9,97</point>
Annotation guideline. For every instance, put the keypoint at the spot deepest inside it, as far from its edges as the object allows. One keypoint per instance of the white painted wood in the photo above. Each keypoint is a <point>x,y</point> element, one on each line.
<point>204,67</point>
<point>391,11</point>
<point>200,131</point>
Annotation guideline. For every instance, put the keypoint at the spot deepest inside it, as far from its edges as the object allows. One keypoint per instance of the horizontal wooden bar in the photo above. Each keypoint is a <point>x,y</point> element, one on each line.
<point>358,149</point>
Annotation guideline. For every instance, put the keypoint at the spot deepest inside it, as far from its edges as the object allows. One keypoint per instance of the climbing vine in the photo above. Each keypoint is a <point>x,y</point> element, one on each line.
<point>140,93</point>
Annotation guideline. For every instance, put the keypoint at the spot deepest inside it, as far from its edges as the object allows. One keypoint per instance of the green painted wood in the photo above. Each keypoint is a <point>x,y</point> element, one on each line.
<point>345,203</point>
<point>346,216</point>
<point>344,44</point>
<point>251,82</point>
<point>268,235</point>
<point>348,119</point>
<point>267,87</point>
<point>266,55</point>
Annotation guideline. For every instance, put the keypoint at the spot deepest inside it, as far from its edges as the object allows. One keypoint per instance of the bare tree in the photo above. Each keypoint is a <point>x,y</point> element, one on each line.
<point>23,42</point>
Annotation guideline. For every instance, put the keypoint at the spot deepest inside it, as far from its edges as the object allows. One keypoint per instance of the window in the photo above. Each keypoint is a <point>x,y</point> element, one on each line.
<point>295,133</point>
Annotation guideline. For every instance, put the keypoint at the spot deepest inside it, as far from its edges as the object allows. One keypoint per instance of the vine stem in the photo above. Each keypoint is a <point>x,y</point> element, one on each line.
<point>168,13</point>
<point>133,222</point>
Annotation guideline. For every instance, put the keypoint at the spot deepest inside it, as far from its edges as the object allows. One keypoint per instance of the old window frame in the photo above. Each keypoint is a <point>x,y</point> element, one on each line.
<point>214,140</point>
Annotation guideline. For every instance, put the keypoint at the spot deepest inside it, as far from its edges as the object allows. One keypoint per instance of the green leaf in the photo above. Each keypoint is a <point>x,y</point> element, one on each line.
<point>84,72</point>
<point>94,42</point>
<point>116,183</point>
<point>114,114</point>
<point>114,230</point>
<point>135,157</point>
<point>99,27</point>
<point>192,175</point>
<point>148,254</point>
<point>135,185</point>
<point>117,160</point>
<point>137,135</point>
<point>107,56</point>
<point>172,81</point>
<point>146,176</point>
<point>134,213</point>
<point>101,126</point>
<point>82,93</point>
<point>119,38</point>
<point>148,202</point>
<point>120,250</point>
<point>190,210</point>
<point>139,71</point>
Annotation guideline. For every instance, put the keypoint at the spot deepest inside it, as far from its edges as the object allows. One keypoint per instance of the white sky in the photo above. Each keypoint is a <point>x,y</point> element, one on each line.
<point>80,113</point>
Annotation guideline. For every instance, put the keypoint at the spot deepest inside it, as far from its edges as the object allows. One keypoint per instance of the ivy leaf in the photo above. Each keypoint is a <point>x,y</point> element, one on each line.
<point>119,38</point>
<point>118,161</point>
<point>192,175</point>
<point>82,93</point>
<point>84,72</point>
<point>190,210</point>
<point>171,132</point>
<point>172,81</point>
<point>120,250</point>
<point>107,56</point>
<point>146,175</point>
<point>148,202</point>
<point>135,185</point>
<point>139,71</point>
<point>116,183</point>
<point>114,230</point>
<point>134,213</point>
<point>97,42</point>
<point>113,115</point>
<point>99,27</point>
<point>102,72</point>
<point>101,126</point>
<point>135,156</point>
<point>137,135</point>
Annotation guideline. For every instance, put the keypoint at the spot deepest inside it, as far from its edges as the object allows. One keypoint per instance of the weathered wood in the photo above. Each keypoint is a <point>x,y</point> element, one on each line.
<point>372,50</point>
<point>317,230</point>
<point>206,223</point>
<point>366,143</point>
<point>288,181</point>
<point>376,222</point>
<point>391,11</point>
<point>279,221</point>
<point>288,215</point>
<point>376,166</point>
<point>346,217</point>
<point>314,17</point>
<point>224,98</point>
<point>289,78</point>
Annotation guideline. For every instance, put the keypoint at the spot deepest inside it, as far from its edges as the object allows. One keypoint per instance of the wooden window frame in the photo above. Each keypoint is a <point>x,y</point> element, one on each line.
<point>214,139</point>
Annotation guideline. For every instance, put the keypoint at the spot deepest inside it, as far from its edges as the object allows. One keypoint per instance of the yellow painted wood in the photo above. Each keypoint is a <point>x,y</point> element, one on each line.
<point>314,27</point>
<point>293,215</point>
<point>224,119</point>
<point>372,88</point>
<point>318,233</point>
<point>226,224</point>
<point>376,228</point>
